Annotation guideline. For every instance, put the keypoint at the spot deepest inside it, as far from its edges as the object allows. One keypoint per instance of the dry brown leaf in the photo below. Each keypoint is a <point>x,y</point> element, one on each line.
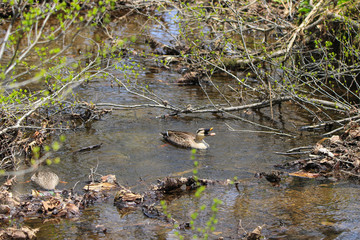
<point>72,208</point>
<point>255,234</point>
<point>356,162</point>
<point>50,204</point>
<point>304,174</point>
<point>335,139</point>
<point>103,186</point>
<point>128,196</point>
<point>69,210</point>
<point>108,178</point>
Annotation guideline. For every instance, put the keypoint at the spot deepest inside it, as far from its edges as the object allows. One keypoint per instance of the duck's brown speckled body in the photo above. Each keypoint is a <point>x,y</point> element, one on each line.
<point>188,139</point>
<point>46,180</point>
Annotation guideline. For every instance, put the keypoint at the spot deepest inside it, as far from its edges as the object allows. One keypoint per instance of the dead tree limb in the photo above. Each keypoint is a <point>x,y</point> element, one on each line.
<point>302,26</point>
<point>219,109</point>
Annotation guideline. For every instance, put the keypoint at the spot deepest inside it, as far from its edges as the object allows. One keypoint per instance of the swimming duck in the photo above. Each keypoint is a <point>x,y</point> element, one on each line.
<point>187,139</point>
<point>46,180</point>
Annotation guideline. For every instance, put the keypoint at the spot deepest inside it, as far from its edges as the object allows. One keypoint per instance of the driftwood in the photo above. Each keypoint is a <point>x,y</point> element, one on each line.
<point>89,148</point>
<point>190,109</point>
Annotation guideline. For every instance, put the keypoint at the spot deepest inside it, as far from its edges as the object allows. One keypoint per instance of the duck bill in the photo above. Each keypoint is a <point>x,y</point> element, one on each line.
<point>208,133</point>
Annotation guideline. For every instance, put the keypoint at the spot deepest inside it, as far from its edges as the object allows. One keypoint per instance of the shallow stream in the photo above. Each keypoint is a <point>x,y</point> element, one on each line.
<point>132,149</point>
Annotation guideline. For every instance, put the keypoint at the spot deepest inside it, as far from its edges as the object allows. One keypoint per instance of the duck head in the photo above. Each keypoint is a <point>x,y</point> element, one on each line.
<point>203,132</point>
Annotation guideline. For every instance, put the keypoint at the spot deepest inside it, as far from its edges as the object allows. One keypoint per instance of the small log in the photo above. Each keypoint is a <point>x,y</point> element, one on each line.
<point>89,148</point>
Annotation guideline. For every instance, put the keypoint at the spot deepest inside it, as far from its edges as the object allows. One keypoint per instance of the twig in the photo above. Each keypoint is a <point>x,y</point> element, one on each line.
<point>271,105</point>
<point>302,26</point>
<point>337,129</point>
<point>252,131</point>
<point>323,124</point>
<point>88,148</point>
<point>33,43</point>
<point>292,153</point>
<point>299,148</point>
<point>296,150</point>
<point>350,173</point>
<point>331,104</point>
<point>61,93</point>
<point>28,170</point>
<point>192,110</point>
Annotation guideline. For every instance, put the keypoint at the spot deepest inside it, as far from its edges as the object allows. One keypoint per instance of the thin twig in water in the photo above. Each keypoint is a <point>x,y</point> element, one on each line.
<point>299,148</point>
<point>292,153</point>
<point>323,124</point>
<point>253,131</point>
<point>337,129</point>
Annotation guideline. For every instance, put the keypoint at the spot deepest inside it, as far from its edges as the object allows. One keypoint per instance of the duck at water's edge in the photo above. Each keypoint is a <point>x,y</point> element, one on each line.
<point>187,139</point>
<point>46,180</point>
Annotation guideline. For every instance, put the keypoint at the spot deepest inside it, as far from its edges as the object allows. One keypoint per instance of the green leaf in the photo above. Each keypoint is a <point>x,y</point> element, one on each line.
<point>55,146</point>
<point>304,10</point>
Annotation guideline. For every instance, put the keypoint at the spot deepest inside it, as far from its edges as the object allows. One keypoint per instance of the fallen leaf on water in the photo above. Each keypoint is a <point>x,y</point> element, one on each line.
<point>327,223</point>
<point>126,195</point>
<point>69,211</point>
<point>99,186</point>
<point>183,172</point>
<point>255,234</point>
<point>50,204</point>
<point>72,208</point>
<point>108,178</point>
<point>304,174</point>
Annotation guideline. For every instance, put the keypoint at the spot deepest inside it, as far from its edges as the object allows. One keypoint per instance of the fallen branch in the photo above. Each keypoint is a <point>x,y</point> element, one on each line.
<point>88,148</point>
<point>243,63</point>
<point>302,26</point>
<point>324,124</point>
<point>346,20</point>
<point>296,150</point>
<point>338,129</point>
<point>258,105</point>
<point>330,104</point>
<point>350,174</point>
